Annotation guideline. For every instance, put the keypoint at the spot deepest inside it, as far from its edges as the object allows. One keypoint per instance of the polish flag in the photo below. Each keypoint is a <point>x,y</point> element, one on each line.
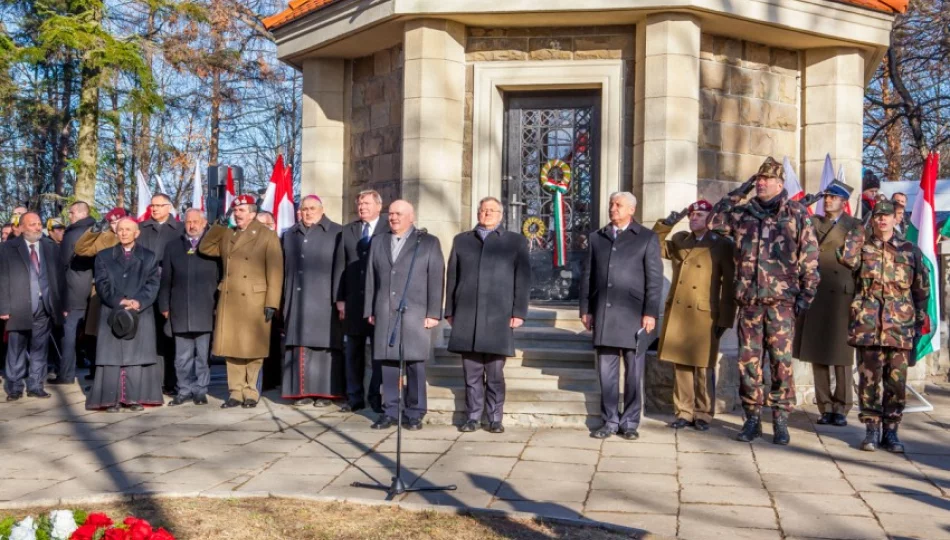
<point>285,215</point>
<point>792,186</point>
<point>144,210</point>
<point>276,177</point>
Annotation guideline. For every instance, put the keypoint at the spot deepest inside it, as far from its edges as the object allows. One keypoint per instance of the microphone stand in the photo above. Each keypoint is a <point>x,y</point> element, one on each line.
<point>398,486</point>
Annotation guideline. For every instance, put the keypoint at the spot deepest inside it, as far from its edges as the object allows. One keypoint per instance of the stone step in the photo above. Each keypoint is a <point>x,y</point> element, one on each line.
<point>537,383</point>
<point>516,373</point>
<point>530,357</point>
<point>518,395</point>
<point>556,317</point>
<point>544,333</point>
<point>582,408</point>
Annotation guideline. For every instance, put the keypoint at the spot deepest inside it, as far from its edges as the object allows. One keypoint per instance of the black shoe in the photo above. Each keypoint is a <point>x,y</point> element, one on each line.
<point>13,397</point>
<point>780,434</point>
<point>470,426</point>
<point>680,423</point>
<point>826,418</point>
<point>602,433</point>
<point>701,425</point>
<point>322,402</point>
<point>384,422</point>
<point>136,407</point>
<point>377,406</point>
<point>230,404</point>
<point>890,442</point>
<point>305,402</point>
<point>249,404</point>
<point>346,407</point>
<point>839,420</point>
<point>751,429</point>
<point>178,400</point>
<point>41,394</point>
<point>114,409</point>
<point>630,434</point>
<point>413,424</point>
<point>496,427</point>
<point>872,437</point>
<point>201,399</point>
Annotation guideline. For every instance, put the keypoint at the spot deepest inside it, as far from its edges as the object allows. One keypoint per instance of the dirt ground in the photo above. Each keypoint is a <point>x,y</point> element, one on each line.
<point>258,519</point>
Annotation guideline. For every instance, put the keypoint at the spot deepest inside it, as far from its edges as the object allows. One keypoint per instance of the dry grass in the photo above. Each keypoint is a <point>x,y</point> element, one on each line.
<point>259,519</point>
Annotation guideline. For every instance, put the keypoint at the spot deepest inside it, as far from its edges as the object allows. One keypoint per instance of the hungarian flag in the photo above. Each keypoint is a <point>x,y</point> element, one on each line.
<point>279,197</point>
<point>144,210</point>
<point>229,193</point>
<point>197,197</point>
<point>276,177</point>
<point>922,232</point>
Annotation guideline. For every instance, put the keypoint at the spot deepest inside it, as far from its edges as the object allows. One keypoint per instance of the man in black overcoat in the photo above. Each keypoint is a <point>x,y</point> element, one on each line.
<point>186,298</point>
<point>486,297</point>
<point>31,281</point>
<point>387,281</point>
<point>155,233</point>
<point>78,288</point>
<point>357,237</point>
<point>620,296</point>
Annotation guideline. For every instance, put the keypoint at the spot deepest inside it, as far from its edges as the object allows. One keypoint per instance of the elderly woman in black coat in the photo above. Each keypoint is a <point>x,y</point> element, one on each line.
<point>128,372</point>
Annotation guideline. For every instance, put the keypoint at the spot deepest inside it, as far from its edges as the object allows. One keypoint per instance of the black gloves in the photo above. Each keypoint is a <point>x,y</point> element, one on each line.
<point>720,330</point>
<point>675,217</point>
<point>269,314</point>
<point>100,226</point>
<point>225,219</point>
<point>744,189</point>
<point>809,200</point>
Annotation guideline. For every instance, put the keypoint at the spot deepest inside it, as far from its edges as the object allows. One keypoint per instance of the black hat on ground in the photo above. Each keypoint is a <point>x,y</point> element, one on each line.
<point>124,323</point>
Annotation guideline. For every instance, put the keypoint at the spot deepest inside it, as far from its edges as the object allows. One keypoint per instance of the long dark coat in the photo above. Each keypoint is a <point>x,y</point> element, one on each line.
<point>622,282</point>
<point>136,278</point>
<point>189,287</point>
<point>385,282</point>
<point>821,335</point>
<point>311,281</point>
<point>253,274</point>
<point>487,284</point>
<point>353,259</point>
<point>155,237</point>
<point>78,268</point>
<point>15,282</point>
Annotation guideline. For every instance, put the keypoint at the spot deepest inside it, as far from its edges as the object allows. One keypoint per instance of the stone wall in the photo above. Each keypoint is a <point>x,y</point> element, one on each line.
<point>375,127</point>
<point>543,44</point>
<point>749,109</point>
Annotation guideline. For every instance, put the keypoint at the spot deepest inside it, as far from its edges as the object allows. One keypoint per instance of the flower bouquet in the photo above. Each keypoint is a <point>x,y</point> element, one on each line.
<point>79,525</point>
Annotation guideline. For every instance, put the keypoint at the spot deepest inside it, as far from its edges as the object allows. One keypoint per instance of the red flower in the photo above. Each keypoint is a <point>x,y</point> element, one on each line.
<point>86,532</point>
<point>116,534</point>
<point>161,534</point>
<point>98,520</point>
<point>139,529</point>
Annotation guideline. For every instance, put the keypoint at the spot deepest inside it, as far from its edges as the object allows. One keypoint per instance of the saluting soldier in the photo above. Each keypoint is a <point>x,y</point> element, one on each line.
<point>821,334</point>
<point>776,279</point>
<point>889,315</point>
<point>248,297</point>
<point>700,307</point>
<point>486,298</point>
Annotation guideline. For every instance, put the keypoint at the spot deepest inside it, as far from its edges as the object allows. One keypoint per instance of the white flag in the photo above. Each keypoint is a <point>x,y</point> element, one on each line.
<point>197,197</point>
<point>827,177</point>
<point>144,210</point>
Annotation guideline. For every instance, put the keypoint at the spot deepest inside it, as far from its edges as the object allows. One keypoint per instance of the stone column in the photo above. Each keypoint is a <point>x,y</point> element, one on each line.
<point>324,134</point>
<point>433,107</point>
<point>833,88</point>
<point>666,115</point>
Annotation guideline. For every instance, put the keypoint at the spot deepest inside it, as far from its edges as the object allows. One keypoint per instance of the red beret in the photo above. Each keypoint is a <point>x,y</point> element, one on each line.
<point>702,205</point>
<point>116,213</point>
<point>243,199</point>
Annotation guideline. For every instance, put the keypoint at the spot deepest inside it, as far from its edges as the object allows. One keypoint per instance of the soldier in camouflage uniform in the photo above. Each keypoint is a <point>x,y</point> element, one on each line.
<point>776,279</point>
<point>888,316</point>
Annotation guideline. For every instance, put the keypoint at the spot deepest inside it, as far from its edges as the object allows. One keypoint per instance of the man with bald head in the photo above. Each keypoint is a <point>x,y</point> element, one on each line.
<point>31,279</point>
<point>405,273</point>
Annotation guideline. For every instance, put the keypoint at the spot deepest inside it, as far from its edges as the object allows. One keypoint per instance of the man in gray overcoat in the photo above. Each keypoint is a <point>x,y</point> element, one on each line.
<point>620,295</point>
<point>313,364</point>
<point>821,335</point>
<point>486,298</point>
<point>388,280</point>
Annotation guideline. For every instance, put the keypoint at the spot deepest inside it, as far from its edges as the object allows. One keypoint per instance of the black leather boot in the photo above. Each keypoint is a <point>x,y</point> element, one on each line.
<point>871,437</point>
<point>780,431</point>
<point>751,429</point>
<point>890,442</point>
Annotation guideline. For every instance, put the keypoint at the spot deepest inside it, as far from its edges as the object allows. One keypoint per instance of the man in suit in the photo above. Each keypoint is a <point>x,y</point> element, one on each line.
<point>78,288</point>
<point>31,278</point>
<point>700,307</point>
<point>408,263</point>
<point>821,335</point>
<point>620,296</point>
<point>156,233</point>
<point>186,299</point>
<point>357,238</point>
<point>486,297</point>
<point>248,297</point>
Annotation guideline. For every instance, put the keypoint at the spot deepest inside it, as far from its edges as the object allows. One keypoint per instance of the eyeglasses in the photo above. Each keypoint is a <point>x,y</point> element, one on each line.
<point>489,211</point>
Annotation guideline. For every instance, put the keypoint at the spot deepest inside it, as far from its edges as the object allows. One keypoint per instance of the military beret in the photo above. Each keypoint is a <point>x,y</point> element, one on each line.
<point>884,208</point>
<point>838,189</point>
<point>243,199</point>
<point>772,169</point>
<point>702,205</point>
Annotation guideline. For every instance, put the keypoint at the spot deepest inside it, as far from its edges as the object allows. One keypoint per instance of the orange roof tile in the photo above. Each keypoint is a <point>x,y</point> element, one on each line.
<point>298,8</point>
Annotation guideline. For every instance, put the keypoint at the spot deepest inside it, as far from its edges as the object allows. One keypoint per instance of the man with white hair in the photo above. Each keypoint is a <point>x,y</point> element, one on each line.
<point>619,303</point>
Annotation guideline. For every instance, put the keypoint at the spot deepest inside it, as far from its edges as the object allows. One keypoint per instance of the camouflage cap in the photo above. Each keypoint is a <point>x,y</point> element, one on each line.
<point>772,169</point>
<point>884,207</point>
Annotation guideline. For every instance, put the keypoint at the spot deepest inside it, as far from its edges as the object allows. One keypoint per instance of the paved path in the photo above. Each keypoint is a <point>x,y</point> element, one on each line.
<point>688,484</point>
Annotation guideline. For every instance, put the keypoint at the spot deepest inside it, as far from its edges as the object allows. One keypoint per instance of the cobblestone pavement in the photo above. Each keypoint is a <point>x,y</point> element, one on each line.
<point>683,484</point>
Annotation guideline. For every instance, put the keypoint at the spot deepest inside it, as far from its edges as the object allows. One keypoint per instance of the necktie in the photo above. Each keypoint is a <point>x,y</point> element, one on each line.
<point>34,258</point>
<point>364,239</point>
<point>616,230</point>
